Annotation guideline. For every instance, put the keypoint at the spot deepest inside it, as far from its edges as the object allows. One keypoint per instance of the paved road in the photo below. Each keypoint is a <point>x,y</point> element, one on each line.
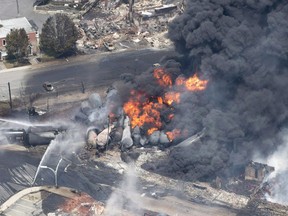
<point>93,70</point>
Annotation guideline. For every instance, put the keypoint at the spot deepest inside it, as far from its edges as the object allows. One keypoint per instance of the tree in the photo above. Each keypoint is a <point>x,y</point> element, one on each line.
<point>41,2</point>
<point>130,15</point>
<point>17,43</point>
<point>130,12</point>
<point>59,36</point>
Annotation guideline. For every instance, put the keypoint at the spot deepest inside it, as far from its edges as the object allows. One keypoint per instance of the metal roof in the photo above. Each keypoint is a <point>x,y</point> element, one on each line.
<point>17,23</point>
<point>49,200</point>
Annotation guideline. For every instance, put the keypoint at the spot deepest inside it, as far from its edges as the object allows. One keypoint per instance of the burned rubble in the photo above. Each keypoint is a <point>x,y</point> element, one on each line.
<point>110,24</point>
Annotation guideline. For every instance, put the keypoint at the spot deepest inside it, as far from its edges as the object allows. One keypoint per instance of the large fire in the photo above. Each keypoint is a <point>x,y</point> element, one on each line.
<point>145,110</point>
<point>141,113</point>
<point>163,78</point>
<point>192,83</point>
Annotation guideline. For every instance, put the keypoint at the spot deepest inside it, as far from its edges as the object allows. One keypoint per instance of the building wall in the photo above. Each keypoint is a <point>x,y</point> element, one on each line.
<point>32,40</point>
<point>2,47</point>
<point>257,171</point>
<point>250,173</point>
<point>261,173</point>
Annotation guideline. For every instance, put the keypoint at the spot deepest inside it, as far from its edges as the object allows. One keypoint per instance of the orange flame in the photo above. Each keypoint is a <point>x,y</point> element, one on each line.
<point>162,78</point>
<point>148,113</point>
<point>143,113</point>
<point>171,97</point>
<point>192,83</point>
<point>151,130</point>
<point>173,134</point>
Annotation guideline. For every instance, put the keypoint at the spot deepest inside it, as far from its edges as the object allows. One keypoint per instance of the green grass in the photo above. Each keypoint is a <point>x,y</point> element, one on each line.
<point>45,58</point>
<point>14,63</point>
<point>4,108</point>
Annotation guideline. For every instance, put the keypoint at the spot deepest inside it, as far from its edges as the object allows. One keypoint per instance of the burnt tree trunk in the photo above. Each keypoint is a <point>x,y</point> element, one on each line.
<point>130,15</point>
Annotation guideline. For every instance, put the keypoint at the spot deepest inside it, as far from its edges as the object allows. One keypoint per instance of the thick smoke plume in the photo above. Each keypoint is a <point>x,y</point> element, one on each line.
<point>126,197</point>
<point>241,47</point>
<point>277,180</point>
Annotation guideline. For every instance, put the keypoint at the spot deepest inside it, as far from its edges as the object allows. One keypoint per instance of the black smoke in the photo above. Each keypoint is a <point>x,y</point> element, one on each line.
<point>241,47</point>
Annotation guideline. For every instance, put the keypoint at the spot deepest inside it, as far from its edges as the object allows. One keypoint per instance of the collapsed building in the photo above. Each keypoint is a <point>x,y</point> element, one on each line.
<point>110,24</point>
<point>257,171</point>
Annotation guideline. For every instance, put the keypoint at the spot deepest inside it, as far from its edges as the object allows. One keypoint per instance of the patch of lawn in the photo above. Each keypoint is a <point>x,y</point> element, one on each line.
<point>12,63</point>
<point>45,58</point>
<point>4,108</point>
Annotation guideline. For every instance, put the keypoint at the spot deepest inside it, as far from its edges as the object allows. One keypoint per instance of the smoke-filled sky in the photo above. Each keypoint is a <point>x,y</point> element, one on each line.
<point>241,47</point>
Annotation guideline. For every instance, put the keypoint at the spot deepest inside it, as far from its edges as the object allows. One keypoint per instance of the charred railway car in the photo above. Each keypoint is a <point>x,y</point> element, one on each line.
<point>18,136</point>
<point>33,136</point>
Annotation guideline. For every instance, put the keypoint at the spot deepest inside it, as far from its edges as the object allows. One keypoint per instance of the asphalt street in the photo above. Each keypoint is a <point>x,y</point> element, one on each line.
<point>67,75</point>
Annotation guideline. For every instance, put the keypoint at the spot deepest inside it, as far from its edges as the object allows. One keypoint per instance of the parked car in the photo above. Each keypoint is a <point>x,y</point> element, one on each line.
<point>109,46</point>
<point>156,65</point>
<point>48,86</point>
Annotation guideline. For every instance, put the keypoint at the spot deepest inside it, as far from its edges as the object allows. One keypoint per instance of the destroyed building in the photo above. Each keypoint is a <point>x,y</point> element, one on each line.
<point>102,25</point>
<point>257,171</point>
<point>70,1</point>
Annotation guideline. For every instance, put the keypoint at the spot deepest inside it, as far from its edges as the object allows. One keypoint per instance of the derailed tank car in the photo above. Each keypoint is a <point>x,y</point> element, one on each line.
<point>33,136</point>
<point>18,136</point>
<point>42,135</point>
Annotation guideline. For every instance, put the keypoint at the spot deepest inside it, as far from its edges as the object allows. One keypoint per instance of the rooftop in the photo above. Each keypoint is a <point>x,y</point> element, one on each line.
<point>16,23</point>
<point>43,200</point>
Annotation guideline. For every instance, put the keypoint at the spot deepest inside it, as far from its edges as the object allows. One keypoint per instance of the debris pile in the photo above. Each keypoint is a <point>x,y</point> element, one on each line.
<point>257,171</point>
<point>110,24</point>
<point>250,181</point>
<point>258,207</point>
<point>83,205</point>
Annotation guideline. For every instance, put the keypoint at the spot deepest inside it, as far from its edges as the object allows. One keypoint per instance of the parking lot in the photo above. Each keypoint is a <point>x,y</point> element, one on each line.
<point>9,10</point>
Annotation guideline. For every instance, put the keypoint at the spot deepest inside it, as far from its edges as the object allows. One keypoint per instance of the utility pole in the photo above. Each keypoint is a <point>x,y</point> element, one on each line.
<point>10,98</point>
<point>130,14</point>
<point>83,87</point>
<point>18,13</point>
<point>106,4</point>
